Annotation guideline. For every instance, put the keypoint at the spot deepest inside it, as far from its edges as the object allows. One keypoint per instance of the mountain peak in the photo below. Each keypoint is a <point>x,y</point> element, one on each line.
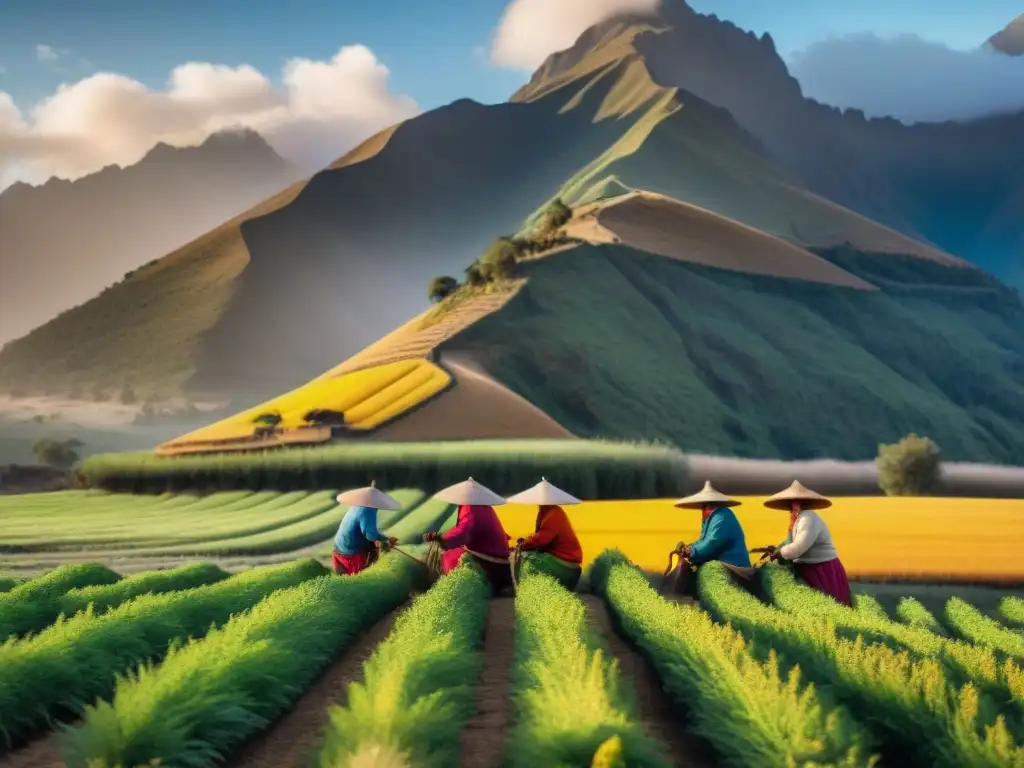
<point>1010,40</point>
<point>224,146</point>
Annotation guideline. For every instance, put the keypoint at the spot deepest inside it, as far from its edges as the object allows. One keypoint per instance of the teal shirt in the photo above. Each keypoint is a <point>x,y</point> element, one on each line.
<point>358,531</point>
<point>721,538</point>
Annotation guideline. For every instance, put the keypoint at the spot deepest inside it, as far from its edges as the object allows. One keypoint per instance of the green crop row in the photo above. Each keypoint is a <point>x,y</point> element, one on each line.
<point>913,613</point>
<point>979,628</point>
<point>964,661</point>
<point>569,695</point>
<point>19,606</point>
<point>418,687</point>
<point>428,516</point>
<point>7,583</point>
<point>1012,609</point>
<point>58,672</point>
<point>209,695</point>
<point>869,605</point>
<point>34,615</point>
<point>749,712</point>
<point>588,469</point>
<point>910,703</point>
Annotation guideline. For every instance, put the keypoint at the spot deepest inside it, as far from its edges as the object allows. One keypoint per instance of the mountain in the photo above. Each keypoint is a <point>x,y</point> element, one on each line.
<point>63,241</point>
<point>730,269</point>
<point>1011,39</point>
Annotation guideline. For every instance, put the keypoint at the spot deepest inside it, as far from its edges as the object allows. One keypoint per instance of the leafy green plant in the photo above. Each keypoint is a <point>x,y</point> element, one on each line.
<point>748,710</point>
<point>7,583</point>
<point>441,288</point>
<point>21,607</point>
<point>210,694</point>
<point>41,611</point>
<point>979,628</point>
<point>1012,608</point>
<point>418,686</point>
<point>913,613</point>
<point>71,663</point>
<point>911,467</point>
<point>870,606</point>
<point>568,693</point>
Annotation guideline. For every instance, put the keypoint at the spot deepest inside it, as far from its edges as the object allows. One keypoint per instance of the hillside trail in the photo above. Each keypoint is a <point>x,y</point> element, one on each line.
<point>661,718</point>
<point>42,752</point>
<point>484,738</point>
<point>291,739</point>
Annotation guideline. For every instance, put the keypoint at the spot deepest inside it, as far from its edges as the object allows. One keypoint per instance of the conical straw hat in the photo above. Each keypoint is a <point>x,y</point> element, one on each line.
<point>470,492</point>
<point>544,494</point>
<point>797,492</point>
<point>707,496</point>
<point>371,496</point>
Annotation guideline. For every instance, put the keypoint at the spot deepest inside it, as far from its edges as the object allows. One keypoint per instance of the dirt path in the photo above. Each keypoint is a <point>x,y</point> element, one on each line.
<point>661,719</point>
<point>40,753</point>
<point>291,739</point>
<point>484,739</point>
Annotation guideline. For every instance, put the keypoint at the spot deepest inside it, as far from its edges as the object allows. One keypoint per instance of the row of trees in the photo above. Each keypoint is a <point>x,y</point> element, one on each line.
<point>268,423</point>
<point>499,261</point>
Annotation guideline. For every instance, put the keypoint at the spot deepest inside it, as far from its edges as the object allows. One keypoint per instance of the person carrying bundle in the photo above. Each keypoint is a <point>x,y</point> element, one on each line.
<point>808,544</point>
<point>721,538</point>
<point>357,540</point>
<point>553,547</point>
<point>478,533</point>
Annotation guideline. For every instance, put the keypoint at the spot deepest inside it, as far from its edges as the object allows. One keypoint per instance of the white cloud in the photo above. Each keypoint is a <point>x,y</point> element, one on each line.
<point>909,78</point>
<point>46,53</point>
<point>319,110</point>
<point>531,30</point>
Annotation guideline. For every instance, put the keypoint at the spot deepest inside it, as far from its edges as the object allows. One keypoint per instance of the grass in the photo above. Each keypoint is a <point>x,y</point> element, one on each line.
<point>749,710</point>
<point>24,606</point>
<point>43,674</point>
<point>973,625</point>
<point>912,612</point>
<point>986,532</point>
<point>570,697</point>
<point>1012,609</point>
<point>588,469</point>
<point>417,688</point>
<point>207,696</point>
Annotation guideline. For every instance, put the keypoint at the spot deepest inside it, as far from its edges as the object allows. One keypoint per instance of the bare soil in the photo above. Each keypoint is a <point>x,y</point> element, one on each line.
<point>40,753</point>
<point>484,739</point>
<point>661,718</point>
<point>290,741</point>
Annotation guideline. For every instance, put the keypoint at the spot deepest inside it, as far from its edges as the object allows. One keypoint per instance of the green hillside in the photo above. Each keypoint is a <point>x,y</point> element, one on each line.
<point>615,342</point>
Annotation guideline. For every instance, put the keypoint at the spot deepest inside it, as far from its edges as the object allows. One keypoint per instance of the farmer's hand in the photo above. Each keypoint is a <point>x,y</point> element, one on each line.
<point>520,541</point>
<point>430,537</point>
<point>772,553</point>
<point>680,547</point>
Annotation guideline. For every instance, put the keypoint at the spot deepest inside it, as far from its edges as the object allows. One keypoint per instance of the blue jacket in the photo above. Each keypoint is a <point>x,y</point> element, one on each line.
<point>721,538</point>
<point>358,531</point>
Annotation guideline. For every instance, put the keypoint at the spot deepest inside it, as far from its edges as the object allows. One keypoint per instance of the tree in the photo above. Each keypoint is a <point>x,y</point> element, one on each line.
<point>500,259</point>
<point>911,467</point>
<point>323,417</point>
<point>442,287</point>
<point>62,454</point>
<point>475,275</point>
<point>269,419</point>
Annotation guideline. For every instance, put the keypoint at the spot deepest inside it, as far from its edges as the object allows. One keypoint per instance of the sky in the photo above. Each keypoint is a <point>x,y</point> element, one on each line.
<point>83,84</point>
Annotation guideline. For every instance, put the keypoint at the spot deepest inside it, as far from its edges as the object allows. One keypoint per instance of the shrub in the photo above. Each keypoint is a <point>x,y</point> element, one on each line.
<point>62,454</point>
<point>441,288</point>
<point>911,467</point>
<point>475,275</point>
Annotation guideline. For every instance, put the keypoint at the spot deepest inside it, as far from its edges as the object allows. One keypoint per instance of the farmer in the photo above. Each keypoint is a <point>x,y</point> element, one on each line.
<point>477,532</point>
<point>355,544</point>
<point>721,536</point>
<point>808,544</point>
<point>553,547</point>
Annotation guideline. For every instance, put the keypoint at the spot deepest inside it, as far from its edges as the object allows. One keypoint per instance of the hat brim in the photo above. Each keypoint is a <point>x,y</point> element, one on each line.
<point>785,504</point>
<point>371,497</point>
<point>701,503</point>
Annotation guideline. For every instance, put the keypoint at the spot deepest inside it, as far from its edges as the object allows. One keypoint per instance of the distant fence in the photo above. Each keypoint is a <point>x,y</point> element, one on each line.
<point>758,477</point>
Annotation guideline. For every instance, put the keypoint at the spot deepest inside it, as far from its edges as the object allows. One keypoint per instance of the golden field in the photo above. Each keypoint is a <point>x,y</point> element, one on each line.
<point>368,398</point>
<point>929,539</point>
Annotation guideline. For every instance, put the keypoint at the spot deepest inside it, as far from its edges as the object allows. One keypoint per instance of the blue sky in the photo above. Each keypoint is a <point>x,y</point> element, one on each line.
<point>433,48</point>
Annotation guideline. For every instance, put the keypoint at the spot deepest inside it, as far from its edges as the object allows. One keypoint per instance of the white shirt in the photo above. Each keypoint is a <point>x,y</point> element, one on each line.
<point>812,541</point>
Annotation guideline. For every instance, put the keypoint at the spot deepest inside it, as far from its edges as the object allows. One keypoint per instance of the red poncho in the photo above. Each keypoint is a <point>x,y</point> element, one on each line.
<point>555,536</point>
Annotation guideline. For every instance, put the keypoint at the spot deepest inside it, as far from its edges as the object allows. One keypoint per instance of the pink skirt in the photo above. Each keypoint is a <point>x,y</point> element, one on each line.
<point>828,577</point>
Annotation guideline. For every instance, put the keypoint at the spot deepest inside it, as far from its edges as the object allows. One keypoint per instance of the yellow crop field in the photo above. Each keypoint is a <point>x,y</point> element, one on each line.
<point>367,397</point>
<point>902,538</point>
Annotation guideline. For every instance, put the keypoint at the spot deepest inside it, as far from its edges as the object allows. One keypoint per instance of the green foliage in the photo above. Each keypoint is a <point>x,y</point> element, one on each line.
<point>979,628</point>
<point>68,665</point>
<point>476,275</point>
<point>418,687</point>
<point>426,518</point>
<point>441,288</point>
<point>323,417</point>
<point>269,420</point>
<point>1012,608</point>
<point>7,583</point>
<point>209,695</point>
<point>554,216</point>
<point>870,606</point>
<point>750,712</point>
<point>912,612</point>
<point>910,702</point>
<point>587,469</point>
<point>43,609</point>
<point>569,695</point>
<point>911,467</point>
<point>62,454</point>
<point>26,605</point>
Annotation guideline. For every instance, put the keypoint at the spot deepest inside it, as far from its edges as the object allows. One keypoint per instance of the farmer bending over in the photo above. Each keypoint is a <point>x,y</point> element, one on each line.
<point>355,544</point>
<point>808,543</point>
<point>721,536</point>
<point>478,533</point>
<point>553,548</point>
